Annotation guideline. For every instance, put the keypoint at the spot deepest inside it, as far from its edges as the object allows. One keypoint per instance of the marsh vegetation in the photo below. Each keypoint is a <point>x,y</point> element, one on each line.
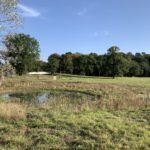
<point>78,113</point>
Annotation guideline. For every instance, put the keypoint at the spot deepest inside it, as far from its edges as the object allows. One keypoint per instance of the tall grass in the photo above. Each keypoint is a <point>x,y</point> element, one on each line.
<point>104,122</point>
<point>12,111</point>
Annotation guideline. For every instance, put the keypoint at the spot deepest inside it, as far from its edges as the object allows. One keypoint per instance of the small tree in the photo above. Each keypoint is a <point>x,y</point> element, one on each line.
<point>22,51</point>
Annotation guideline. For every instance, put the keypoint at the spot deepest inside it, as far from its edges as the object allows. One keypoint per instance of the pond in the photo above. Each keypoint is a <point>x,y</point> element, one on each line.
<point>44,96</point>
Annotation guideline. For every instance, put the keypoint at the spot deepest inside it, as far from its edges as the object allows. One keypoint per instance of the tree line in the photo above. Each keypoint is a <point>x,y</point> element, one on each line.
<point>23,53</point>
<point>113,63</point>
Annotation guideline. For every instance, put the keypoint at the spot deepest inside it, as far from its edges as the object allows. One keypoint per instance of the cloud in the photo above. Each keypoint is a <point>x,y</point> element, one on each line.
<point>104,33</point>
<point>28,11</point>
<point>82,12</point>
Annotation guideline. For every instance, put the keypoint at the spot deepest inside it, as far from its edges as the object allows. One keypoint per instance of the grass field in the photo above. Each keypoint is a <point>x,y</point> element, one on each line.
<point>118,116</point>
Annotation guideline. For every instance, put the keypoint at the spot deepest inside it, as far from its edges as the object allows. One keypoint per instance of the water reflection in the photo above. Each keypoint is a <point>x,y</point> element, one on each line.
<point>43,96</point>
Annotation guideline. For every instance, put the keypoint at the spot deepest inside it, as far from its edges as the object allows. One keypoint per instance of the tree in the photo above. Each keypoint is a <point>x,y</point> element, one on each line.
<point>67,63</point>
<point>40,66</point>
<point>91,64</point>
<point>9,15</point>
<point>82,64</point>
<point>76,63</point>
<point>22,51</point>
<point>6,70</point>
<point>99,66</point>
<point>53,63</point>
<point>114,62</point>
<point>134,69</point>
<point>9,19</point>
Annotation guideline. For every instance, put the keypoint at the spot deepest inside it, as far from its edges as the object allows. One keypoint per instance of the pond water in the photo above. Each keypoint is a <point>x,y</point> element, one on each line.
<point>44,96</point>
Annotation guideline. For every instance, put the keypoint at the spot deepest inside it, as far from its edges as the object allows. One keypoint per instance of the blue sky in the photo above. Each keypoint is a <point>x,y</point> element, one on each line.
<point>87,25</point>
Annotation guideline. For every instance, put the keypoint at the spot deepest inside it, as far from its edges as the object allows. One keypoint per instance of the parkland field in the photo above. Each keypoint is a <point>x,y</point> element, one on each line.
<point>74,112</point>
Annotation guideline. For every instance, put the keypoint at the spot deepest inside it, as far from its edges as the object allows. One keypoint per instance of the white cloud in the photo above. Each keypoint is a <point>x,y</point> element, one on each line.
<point>28,11</point>
<point>82,12</point>
<point>101,33</point>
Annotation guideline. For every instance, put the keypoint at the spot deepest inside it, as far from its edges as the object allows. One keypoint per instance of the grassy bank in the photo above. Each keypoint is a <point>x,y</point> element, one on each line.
<point>118,116</point>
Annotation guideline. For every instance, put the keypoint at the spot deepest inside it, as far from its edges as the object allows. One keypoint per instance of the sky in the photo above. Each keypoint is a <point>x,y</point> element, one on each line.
<point>87,26</point>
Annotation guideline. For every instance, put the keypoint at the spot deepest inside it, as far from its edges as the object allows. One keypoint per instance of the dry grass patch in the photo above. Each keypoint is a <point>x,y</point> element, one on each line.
<point>12,111</point>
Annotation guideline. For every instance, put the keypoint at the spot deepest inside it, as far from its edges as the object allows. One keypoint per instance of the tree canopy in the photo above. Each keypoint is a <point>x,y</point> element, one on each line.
<point>53,63</point>
<point>113,63</point>
<point>22,51</point>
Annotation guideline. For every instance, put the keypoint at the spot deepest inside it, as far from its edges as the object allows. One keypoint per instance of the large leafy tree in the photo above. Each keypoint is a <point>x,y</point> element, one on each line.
<point>115,63</point>
<point>22,51</point>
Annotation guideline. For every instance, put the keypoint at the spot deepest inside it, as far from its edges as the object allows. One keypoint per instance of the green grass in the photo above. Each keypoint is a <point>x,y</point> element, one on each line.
<point>132,81</point>
<point>116,120</point>
<point>89,129</point>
